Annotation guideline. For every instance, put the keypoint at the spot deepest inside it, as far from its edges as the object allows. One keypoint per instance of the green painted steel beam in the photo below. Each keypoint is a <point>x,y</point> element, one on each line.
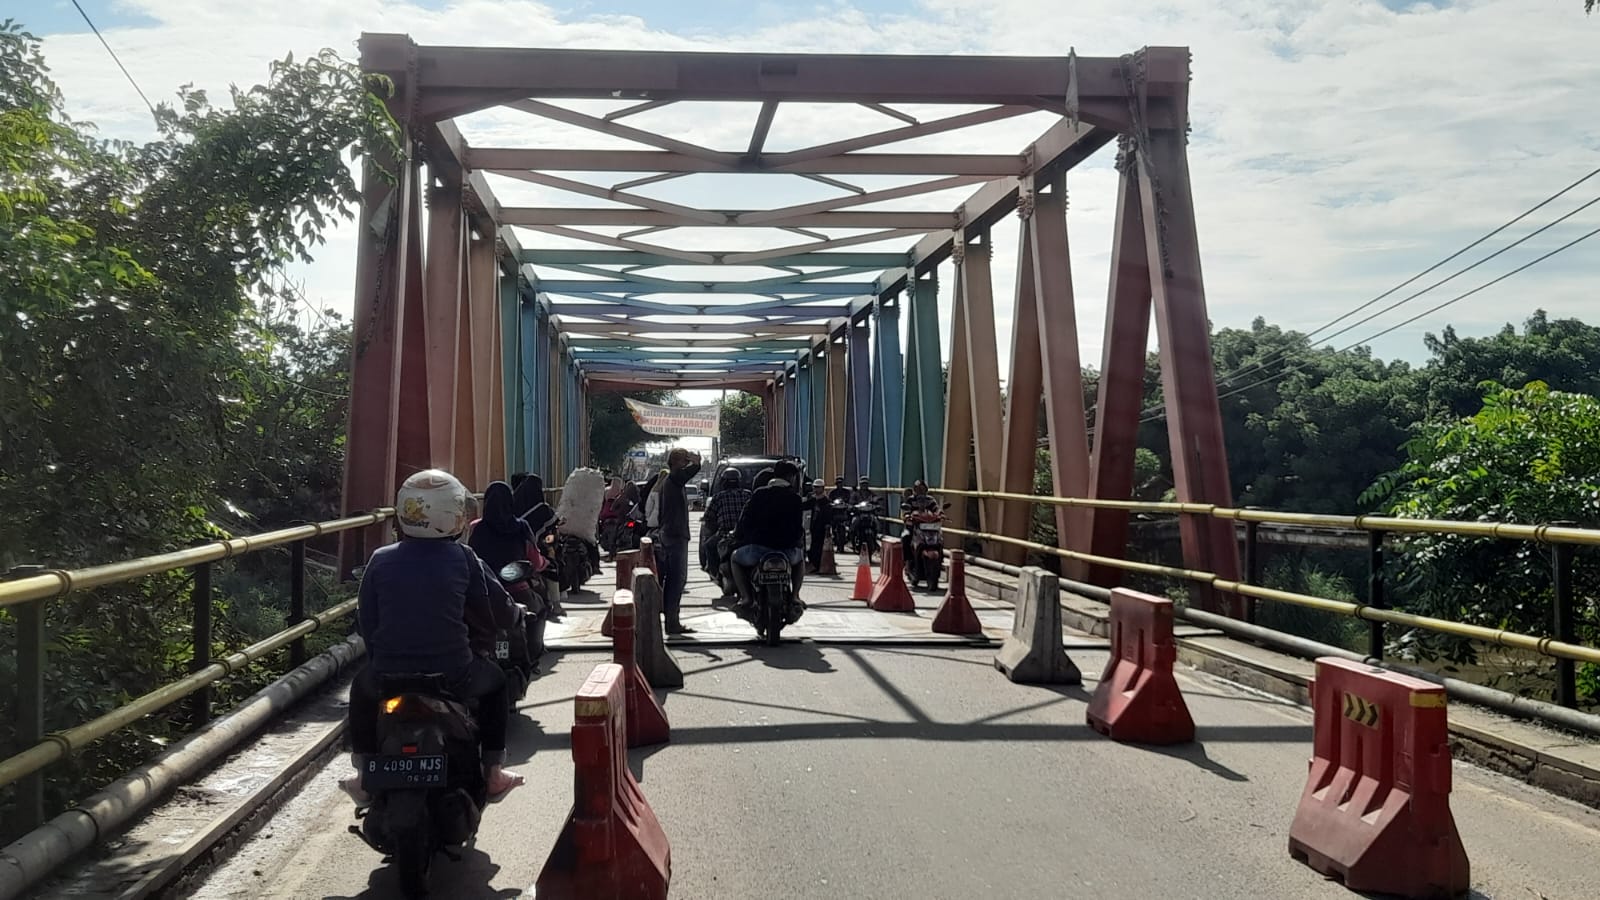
<point>640,258</point>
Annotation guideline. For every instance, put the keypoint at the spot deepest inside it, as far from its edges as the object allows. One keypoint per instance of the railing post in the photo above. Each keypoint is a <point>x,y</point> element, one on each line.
<point>1375,596</point>
<point>1566,627</point>
<point>200,702</point>
<point>297,600</point>
<point>1252,567</point>
<point>30,700</point>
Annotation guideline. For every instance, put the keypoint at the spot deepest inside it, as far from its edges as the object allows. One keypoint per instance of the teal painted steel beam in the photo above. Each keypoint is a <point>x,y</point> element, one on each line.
<point>528,359</point>
<point>923,426</point>
<point>640,258</point>
<point>818,440</point>
<point>510,370</point>
<point>889,384</point>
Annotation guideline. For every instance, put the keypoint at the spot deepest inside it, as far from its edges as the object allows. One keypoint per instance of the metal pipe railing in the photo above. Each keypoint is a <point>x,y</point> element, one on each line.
<point>1547,533</point>
<point>54,583</point>
<point>1545,646</point>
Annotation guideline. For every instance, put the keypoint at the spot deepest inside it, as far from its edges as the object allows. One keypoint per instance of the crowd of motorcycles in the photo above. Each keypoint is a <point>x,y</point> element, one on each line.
<point>427,782</point>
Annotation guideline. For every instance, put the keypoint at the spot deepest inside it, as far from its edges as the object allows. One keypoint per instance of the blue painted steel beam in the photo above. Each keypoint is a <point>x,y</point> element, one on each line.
<point>923,426</point>
<point>817,455</point>
<point>510,369</point>
<point>528,359</point>
<point>858,399</point>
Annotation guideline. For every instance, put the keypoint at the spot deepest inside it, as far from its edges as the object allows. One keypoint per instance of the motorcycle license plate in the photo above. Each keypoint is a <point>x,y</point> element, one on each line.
<point>385,772</point>
<point>772,578</point>
<point>502,649</point>
<point>929,527</point>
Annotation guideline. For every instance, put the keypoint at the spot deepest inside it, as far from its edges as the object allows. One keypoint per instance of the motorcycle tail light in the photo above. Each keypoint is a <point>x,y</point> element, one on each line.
<point>408,748</point>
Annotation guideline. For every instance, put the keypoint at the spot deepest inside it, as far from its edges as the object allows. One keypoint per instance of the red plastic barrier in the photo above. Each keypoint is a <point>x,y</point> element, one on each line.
<point>1376,808</point>
<point>890,594</point>
<point>863,588</point>
<point>647,556</point>
<point>612,846</point>
<point>1138,698</point>
<point>647,721</point>
<point>956,615</point>
<point>626,560</point>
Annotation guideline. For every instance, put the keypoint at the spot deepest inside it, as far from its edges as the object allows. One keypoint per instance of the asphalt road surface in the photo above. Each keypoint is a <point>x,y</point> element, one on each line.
<point>884,771</point>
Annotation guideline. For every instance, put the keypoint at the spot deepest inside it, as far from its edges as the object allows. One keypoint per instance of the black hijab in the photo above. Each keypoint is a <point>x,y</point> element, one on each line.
<point>529,493</point>
<point>500,537</point>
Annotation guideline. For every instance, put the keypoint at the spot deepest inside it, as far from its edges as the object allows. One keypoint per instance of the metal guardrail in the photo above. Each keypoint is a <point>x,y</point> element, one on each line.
<point>26,596</point>
<point>1563,647</point>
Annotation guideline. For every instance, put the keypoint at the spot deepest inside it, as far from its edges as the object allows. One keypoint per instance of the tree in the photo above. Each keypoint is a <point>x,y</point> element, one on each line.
<point>1529,455</point>
<point>132,280</point>
<point>744,424</point>
<point>1563,353</point>
<point>612,429</point>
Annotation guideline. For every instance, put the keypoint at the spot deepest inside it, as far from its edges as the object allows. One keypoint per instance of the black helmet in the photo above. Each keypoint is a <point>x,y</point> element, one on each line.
<point>838,479</point>
<point>863,480</point>
<point>731,477</point>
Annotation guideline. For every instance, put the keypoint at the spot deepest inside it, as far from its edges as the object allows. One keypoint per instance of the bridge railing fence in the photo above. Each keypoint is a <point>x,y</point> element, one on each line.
<point>25,593</point>
<point>1564,539</point>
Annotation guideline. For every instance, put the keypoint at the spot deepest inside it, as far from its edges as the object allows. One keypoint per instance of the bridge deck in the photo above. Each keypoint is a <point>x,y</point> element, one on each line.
<point>890,770</point>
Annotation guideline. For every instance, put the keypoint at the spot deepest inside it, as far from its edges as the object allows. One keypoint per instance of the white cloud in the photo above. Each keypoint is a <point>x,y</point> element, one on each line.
<point>1338,147</point>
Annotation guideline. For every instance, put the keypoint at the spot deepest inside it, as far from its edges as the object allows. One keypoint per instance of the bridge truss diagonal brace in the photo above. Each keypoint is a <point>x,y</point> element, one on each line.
<point>1188,378</point>
<point>1062,372</point>
<point>838,401</point>
<point>1120,393</point>
<point>973,419</point>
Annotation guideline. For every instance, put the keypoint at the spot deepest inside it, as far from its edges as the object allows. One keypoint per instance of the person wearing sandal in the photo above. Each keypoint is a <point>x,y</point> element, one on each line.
<point>426,604</point>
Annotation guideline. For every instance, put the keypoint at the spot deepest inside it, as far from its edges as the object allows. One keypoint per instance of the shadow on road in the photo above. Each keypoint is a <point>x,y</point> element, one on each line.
<point>468,879</point>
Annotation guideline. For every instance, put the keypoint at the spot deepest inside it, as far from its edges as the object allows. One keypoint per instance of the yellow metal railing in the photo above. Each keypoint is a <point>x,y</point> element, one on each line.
<point>26,596</point>
<point>1546,646</point>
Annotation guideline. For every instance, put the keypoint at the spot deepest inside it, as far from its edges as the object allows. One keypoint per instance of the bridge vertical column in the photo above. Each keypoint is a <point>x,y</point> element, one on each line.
<point>489,437</point>
<point>384,254</point>
<point>858,401</point>
<point>924,381</point>
<point>817,457</point>
<point>889,394</point>
<point>1120,396</point>
<point>527,391</point>
<point>838,392</point>
<point>802,390</point>
<point>1019,450</point>
<point>558,411</point>
<point>583,421</point>
<point>1063,373</point>
<point>976,319</point>
<point>445,280</point>
<point>467,408</point>
<point>793,397</point>
<point>1183,331</point>
<point>512,448</point>
<point>775,414</point>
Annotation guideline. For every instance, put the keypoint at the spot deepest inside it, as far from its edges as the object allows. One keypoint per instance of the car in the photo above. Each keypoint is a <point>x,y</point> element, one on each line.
<point>750,466</point>
<point>696,498</point>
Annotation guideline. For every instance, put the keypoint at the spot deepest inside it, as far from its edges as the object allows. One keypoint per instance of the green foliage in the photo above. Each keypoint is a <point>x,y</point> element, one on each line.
<point>612,430</point>
<point>152,381</point>
<point>744,424</point>
<point>1295,574</point>
<point>1529,455</point>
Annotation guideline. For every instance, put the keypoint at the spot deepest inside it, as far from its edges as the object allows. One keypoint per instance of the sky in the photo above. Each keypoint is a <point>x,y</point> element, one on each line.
<point>1339,147</point>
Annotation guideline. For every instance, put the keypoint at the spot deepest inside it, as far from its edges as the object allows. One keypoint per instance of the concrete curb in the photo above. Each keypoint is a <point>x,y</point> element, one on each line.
<point>35,855</point>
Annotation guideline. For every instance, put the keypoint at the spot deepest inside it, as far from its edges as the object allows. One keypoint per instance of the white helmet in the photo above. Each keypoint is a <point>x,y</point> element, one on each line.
<point>819,483</point>
<point>431,504</point>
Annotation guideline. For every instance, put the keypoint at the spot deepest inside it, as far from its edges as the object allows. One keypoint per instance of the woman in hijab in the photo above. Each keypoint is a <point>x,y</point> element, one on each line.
<point>500,537</point>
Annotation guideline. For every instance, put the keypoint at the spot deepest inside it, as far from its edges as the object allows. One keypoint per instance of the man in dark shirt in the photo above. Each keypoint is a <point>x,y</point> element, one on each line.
<point>770,523</point>
<point>672,536</point>
<point>821,518</point>
<point>722,517</point>
<point>429,604</point>
<point>840,491</point>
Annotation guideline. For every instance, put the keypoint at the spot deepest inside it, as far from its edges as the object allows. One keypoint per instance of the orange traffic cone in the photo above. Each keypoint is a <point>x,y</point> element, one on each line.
<point>863,588</point>
<point>829,566</point>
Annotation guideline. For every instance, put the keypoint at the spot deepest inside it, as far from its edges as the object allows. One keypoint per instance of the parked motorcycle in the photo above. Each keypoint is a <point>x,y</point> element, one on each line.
<point>925,556</point>
<point>722,573</point>
<point>426,781</point>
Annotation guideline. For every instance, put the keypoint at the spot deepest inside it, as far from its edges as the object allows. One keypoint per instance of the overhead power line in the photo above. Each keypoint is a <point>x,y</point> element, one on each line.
<point>1161,413</point>
<point>126,74</point>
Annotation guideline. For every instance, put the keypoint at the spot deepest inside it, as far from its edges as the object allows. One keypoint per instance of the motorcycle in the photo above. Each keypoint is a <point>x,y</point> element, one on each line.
<point>839,524</point>
<point>426,781</point>
<point>722,573</point>
<point>518,649</point>
<point>577,561</point>
<point>773,607</point>
<point>622,533</point>
<point>925,555</point>
<point>550,580</point>
<point>864,527</point>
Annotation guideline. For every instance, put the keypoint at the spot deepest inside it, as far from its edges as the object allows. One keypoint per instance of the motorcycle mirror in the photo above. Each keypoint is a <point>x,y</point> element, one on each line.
<point>515,570</point>
<point>947,506</point>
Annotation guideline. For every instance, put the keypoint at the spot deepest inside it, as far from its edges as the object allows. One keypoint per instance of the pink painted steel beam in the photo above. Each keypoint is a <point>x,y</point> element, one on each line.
<point>506,160</point>
<point>759,76</point>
